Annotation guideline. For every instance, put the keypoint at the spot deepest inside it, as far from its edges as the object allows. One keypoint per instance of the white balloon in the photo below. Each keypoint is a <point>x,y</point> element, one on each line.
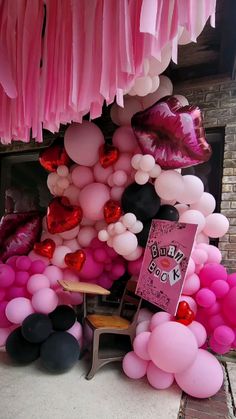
<point>143,85</point>
<point>155,83</point>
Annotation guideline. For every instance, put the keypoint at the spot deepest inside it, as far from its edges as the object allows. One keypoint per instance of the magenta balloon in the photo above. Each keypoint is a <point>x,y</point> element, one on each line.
<point>140,345</point>
<point>205,297</point>
<point>220,288</point>
<point>158,378</point>
<point>215,321</point>
<point>92,200</point>
<point>203,378</point>
<point>210,272</point>
<point>76,331</point>
<point>7,275</point>
<point>91,268</point>
<point>21,278</point>
<point>82,142</point>
<point>3,294</point>
<point>231,280</point>
<point>217,347</point>
<point>224,335</point>
<point>14,292</point>
<point>37,267</point>
<point>229,306</point>
<point>133,366</point>
<point>4,322</point>
<point>172,347</point>
<point>23,263</point>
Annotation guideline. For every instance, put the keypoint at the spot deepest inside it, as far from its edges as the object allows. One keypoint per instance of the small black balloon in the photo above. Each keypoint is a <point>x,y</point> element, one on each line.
<point>59,352</point>
<point>20,350</point>
<point>63,318</point>
<point>143,235</point>
<point>36,327</point>
<point>141,200</point>
<point>167,212</point>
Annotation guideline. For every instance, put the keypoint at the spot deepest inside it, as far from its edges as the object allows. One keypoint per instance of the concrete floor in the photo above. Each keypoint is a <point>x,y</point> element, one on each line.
<point>31,393</point>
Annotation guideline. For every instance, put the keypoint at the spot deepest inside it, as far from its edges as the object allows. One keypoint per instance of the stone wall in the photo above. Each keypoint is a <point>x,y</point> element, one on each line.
<point>217,100</point>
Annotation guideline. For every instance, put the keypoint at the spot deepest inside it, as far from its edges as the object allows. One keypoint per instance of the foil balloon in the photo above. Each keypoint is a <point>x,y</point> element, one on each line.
<point>45,248</point>
<point>75,260</point>
<point>173,134</point>
<point>18,233</point>
<point>112,211</point>
<point>53,157</point>
<point>62,216</point>
<point>108,155</point>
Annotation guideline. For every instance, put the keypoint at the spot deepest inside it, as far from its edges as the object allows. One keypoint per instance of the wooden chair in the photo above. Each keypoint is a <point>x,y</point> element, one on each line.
<point>122,323</point>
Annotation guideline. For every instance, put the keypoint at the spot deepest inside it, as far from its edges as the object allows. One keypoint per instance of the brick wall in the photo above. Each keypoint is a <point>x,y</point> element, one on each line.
<point>217,100</point>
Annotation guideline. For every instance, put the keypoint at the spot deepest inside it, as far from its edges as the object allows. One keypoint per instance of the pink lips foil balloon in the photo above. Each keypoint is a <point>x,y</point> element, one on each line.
<point>173,134</point>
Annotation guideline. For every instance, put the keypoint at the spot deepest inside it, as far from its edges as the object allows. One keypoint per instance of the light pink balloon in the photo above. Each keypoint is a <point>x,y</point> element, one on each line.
<point>81,176</point>
<point>157,67</point>
<point>144,314</point>
<point>36,282</point>
<point>143,85</point>
<point>45,301</point>
<point>70,234</point>
<point>76,298</point>
<point>86,235</point>
<point>72,244</point>
<point>133,366</point>
<point>116,192</point>
<point>59,255</point>
<point>193,217</point>
<point>124,162</point>
<point>92,200</point>
<point>152,98</point>
<point>172,347</point>
<point>199,256</point>
<point>214,254</point>
<point>119,178</point>
<point>124,139</point>
<point>73,194</point>
<point>4,333</point>
<point>54,274</point>
<point>55,237</point>
<point>159,318</point>
<point>199,332</point>
<point>192,190</point>
<point>181,208</point>
<point>101,174</point>
<point>18,309</point>
<point>191,267</point>
<point>142,327</point>
<point>206,204</point>
<point>158,378</point>
<point>134,255</point>
<point>82,142</point>
<point>202,238</point>
<point>125,243</point>
<point>182,99</point>
<point>216,226</point>
<point>76,330</point>
<point>203,378</point>
<point>131,106</point>
<point>168,185</point>
<point>191,284</point>
<point>140,345</point>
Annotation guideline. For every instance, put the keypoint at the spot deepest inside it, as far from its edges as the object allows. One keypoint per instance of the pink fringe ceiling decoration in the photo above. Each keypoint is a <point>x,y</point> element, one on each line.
<point>88,52</point>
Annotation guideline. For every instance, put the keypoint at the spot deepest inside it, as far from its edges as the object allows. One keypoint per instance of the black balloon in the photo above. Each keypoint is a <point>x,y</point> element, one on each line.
<point>63,318</point>
<point>20,350</point>
<point>141,200</point>
<point>143,235</point>
<point>36,327</point>
<point>59,352</point>
<point>167,212</point>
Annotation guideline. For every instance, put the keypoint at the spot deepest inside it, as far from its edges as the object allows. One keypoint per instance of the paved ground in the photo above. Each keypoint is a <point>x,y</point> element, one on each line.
<point>31,393</point>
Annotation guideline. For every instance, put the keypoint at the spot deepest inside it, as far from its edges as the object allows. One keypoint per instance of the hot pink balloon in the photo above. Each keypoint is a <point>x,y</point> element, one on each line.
<point>220,288</point>
<point>205,298</point>
<point>211,272</point>
<point>229,306</point>
<point>76,331</point>
<point>217,347</point>
<point>4,321</point>
<point>158,378</point>
<point>224,335</point>
<point>7,275</point>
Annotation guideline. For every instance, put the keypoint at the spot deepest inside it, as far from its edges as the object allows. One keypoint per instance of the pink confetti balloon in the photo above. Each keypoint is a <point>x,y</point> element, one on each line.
<point>44,301</point>
<point>158,378</point>
<point>140,345</point>
<point>199,332</point>
<point>7,275</point>
<point>80,151</point>
<point>37,282</point>
<point>92,200</point>
<point>133,366</point>
<point>159,318</point>
<point>172,347</point>
<point>81,176</point>
<point>18,309</point>
<point>203,378</point>
<point>124,139</point>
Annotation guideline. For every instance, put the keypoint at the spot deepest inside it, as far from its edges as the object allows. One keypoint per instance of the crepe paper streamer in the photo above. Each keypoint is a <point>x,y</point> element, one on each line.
<point>90,52</point>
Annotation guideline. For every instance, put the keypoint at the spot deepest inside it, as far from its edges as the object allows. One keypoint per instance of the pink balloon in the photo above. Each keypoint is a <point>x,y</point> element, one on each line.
<point>191,267</point>
<point>210,272</point>
<point>158,378</point>
<point>4,333</point>
<point>23,263</point>
<point>135,255</point>
<point>35,257</point>
<point>72,244</point>
<point>169,185</point>
<point>53,274</point>
<point>91,269</point>
<point>142,327</point>
<point>159,318</point>
<point>37,282</point>
<point>105,281</point>
<point>192,190</point>
<point>216,226</point>
<point>81,176</point>
<point>70,234</point>
<point>92,200</point>
<point>135,266</point>
<point>193,217</point>
<point>116,192</point>
<point>220,288</point>
<point>231,280</point>
<point>101,174</point>
<point>206,204</point>
<point>229,306</point>
<point>81,151</point>
<point>125,243</point>
<point>7,275</point>
<point>124,163</point>
<point>4,321</point>
<point>205,298</point>
<point>131,106</point>
<point>215,321</point>
<point>203,378</point>
<point>37,267</point>
<point>58,258</point>
<point>124,139</point>
<point>199,332</point>
<point>117,270</point>
<point>11,261</point>
<point>119,178</point>
<point>72,193</point>
<point>18,309</point>
<point>172,347</point>
<point>144,314</point>
<point>214,254</point>
<point>76,331</point>
<point>215,309</point>
<point>86,235</point>
<point>133,366</point>
<point>224,335</point>
<point>21,278</point>
<point>44,300</point>
<point>199,256</point>
<point>202,238</point>
<point>76,298</point>
<point>3,294</point>
<point>191,284</point>
<point>140,345</point>
<point>217,347</point>
<point>181,208</point>
<point>14,292</point>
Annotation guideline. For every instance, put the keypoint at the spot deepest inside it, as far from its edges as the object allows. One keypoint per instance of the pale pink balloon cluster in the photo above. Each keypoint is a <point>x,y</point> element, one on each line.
<point>146,168</point>
<point>165,350</point>
<point>121,236</point>
<point>59,181</point>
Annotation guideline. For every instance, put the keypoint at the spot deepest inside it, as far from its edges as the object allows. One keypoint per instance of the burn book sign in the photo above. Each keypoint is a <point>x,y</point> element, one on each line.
<point>165,263</point>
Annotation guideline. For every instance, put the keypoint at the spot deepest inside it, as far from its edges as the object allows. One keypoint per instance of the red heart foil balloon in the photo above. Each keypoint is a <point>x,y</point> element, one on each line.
<point>62,216</point>
<point>45,248</point>
<point>187,318</point>
<point>53,157</point>
<point>112,211</point>
<point>108,155</point>
<point>182,309</point>
<point>75,260</point>
<point>173,134</point>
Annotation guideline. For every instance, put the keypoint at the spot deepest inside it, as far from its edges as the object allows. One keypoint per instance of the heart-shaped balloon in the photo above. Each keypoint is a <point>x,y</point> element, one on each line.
<point>173,134</point>
<point>182,309</point>
<point>54,156</point>
<point>62,216</point>
<point>75,260</point>
<point>108,155</point>
<point>112,211</point>
<point>184,314</point>
<point>45,248</point>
